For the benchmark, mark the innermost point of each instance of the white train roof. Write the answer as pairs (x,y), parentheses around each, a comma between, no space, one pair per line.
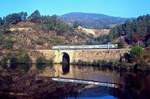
(103,46)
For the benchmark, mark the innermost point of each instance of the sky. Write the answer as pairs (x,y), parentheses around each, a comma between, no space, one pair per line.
(118,8)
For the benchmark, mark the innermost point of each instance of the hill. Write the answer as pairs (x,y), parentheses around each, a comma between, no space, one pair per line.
(17,31)
(91,20)
(133,32)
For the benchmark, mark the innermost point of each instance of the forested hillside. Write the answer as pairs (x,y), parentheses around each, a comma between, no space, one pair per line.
(35,31)
(134,32)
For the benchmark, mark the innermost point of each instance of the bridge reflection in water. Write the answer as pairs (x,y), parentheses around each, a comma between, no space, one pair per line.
(87,82)
(84,73)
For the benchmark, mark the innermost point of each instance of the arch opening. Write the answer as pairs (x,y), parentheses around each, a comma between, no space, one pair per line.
(65,63)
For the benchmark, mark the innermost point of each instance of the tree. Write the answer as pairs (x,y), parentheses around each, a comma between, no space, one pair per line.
(23,16)
(1,21)
(12,18)
(134,30)
(137,52)
(41,62)
(62,27)
(49,22)
(76,24)
(35,17)
(8,42)
(1,37)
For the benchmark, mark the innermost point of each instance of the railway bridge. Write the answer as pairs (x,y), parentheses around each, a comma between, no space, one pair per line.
(89,53)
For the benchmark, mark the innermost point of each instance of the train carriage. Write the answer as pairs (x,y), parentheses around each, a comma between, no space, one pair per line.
(103,46)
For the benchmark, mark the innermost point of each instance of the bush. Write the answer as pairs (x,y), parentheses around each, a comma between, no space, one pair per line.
(137,52)
(9,42)
(41,62)
(23,58)
(14,59)
(4,62)
(1,38)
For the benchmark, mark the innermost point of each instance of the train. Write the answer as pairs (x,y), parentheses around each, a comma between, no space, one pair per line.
(103,46)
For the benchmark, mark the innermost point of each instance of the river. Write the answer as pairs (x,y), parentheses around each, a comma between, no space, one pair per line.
(129,80)
(133,84)
(87,73)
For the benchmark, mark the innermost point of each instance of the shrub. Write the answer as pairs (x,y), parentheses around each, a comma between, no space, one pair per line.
(137,52)
(14,60)
(23,58)
(42,62)
(4,62)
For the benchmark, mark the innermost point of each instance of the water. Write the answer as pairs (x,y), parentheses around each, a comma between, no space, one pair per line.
(83,72)
(135,85)
(95,93)
(87,73)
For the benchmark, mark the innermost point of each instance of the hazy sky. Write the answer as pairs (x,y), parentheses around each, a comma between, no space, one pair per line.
(123,8)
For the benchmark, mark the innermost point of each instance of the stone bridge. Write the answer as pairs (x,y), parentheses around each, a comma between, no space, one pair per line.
(84,54)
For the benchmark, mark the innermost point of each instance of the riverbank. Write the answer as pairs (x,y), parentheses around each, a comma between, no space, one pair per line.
(15,84)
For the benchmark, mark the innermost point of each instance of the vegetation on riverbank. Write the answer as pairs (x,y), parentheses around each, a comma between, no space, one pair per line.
(133,32)
(17,57)
(42,62)
(22,58)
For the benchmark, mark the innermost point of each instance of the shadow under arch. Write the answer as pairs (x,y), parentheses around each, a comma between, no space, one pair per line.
(65,63)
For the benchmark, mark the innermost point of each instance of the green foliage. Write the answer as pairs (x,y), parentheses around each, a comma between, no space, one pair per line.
(1,38)
(53,23)
(42,62)
(4,62)
(1,21)
(76,24)
(62,27)
(35,16)
(100,40)
(23,57)
(134,30)
(137,52)
(20,57)
(15,18)
(9,42)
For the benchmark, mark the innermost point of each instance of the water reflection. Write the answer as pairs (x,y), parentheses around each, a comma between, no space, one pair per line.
(65,63)
(135,84)
(83,72)
(95,93)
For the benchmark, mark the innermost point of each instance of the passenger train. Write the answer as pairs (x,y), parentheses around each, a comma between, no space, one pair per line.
(103,46)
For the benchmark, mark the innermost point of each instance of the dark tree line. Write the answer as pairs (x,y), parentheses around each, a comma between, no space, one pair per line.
(135,31)
(13,18)
(103,39)
(44,23)
(47,22)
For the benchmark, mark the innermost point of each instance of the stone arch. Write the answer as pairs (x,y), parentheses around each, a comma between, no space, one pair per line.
(65,62)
